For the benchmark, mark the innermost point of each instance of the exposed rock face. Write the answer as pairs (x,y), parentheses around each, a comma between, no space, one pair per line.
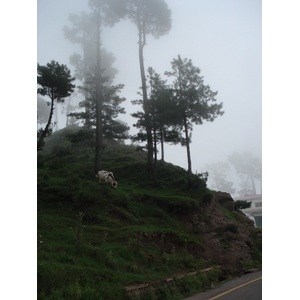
(225,200)
(227,234)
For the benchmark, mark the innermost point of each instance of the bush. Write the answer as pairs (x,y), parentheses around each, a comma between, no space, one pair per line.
(232,228)
(207,198)
(241,204)
(229,227)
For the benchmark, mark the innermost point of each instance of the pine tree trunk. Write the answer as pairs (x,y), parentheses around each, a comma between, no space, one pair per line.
(45,131)
(98,153)
(87,109)
(188,150)
(142,43)
(155,155)
(162,147)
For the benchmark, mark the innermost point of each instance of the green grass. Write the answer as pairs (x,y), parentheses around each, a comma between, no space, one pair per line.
(129,235)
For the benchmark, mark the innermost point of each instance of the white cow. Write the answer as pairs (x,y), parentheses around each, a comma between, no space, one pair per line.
(108,177)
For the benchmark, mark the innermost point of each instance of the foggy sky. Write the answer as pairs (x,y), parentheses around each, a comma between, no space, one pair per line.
(221,37)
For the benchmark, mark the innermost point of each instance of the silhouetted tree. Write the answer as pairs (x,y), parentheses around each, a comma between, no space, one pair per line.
(56,83)
(241,204)
(162,116)
(217,176)
(84,33)
(195,101)
(150,17)
(248,167)
(105,13)
(111,127)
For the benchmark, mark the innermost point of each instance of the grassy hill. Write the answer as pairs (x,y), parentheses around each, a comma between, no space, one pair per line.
(95,242)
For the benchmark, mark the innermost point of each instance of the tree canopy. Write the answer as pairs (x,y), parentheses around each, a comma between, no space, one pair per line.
(196,102)
(55,81)
(150,17)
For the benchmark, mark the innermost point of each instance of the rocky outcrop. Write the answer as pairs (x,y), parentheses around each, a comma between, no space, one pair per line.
(225,200)
(227,234)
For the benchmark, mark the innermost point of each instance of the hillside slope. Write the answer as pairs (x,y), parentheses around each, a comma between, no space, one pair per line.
(93,241)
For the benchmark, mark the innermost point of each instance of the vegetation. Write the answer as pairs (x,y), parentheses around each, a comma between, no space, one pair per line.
(163,116)
(151,18)
(195,101)
(55,81)
(242,204)
(248,167)
(93,240)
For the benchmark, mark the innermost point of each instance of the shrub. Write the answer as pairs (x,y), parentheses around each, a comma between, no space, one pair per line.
(73,291)
(241,204)
(232,228)
(148,294)
(81,136)
(207,198)
(229,227)
(110,261)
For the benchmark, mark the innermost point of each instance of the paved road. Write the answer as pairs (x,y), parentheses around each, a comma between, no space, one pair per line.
(246,287)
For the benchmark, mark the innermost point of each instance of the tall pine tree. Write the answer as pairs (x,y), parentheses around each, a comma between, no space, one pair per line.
(195,101)
(150,17)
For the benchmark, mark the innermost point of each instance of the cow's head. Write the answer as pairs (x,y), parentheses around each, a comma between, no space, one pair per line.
(114,184)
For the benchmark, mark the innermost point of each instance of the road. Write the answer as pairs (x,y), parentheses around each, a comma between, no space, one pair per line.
(246,287)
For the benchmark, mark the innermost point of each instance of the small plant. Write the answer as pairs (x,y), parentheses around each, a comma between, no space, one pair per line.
(214,275)
(73,291)
(148,294)
(110,261)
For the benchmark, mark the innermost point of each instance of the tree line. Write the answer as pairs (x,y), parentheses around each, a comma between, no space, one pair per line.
(169,111)
(247,167)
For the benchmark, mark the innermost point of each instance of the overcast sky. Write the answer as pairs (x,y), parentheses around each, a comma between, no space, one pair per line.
(221,37)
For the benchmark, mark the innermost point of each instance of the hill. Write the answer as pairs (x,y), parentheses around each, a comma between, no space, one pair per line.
(163,241)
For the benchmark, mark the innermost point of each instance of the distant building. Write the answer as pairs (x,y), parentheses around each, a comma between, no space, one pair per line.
(255,211)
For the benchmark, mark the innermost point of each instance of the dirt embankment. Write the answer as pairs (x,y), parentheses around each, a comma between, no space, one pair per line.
(228,236)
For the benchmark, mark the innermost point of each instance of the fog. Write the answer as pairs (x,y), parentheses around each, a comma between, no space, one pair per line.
(222,38)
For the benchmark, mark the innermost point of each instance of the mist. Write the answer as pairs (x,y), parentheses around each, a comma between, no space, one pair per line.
(222,38)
